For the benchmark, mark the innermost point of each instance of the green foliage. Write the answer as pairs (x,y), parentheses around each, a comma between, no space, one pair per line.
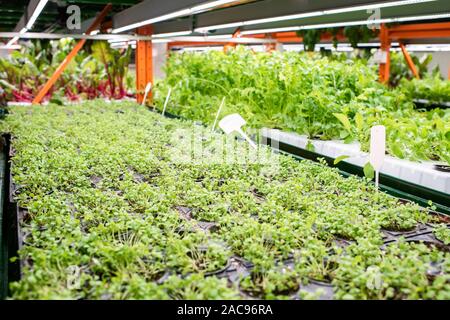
(24,72)
(399,69)
(358,34)
(114,211)
(431,88)
(324,98)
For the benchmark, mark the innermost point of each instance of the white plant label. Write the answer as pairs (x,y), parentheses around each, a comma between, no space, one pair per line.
(380,56)
(218,114)
(377,149)
(167,101)
(148,88)
(234,123)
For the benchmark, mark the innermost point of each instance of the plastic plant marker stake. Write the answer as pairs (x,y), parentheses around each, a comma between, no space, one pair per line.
(148,88)
(234,123)
(167,101)
(377,149)
(218,113)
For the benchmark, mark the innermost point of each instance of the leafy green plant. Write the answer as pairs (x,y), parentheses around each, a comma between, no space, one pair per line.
(24,72)
(113,209)
(323,98)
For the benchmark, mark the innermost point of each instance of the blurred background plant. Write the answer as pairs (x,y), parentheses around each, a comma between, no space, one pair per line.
(97,71)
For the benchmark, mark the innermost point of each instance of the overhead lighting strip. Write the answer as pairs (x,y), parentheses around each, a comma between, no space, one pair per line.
(311,14)
(36,14)
(172,34)
(176,14)
(30,23)
(345,24)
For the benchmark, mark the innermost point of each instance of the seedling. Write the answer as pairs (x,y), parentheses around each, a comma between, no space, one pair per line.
(234,123)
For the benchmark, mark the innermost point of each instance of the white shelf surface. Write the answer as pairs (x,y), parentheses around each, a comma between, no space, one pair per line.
(420,173)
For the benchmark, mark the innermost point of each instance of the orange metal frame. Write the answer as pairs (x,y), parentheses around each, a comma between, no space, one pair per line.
(409,61)
(407,32)
(49,84)
(236,34)
(144,64)
(385,42)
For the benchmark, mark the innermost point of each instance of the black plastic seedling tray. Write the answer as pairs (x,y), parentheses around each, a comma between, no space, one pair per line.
(10,230)
(430,105)
(236,267)
(394,186)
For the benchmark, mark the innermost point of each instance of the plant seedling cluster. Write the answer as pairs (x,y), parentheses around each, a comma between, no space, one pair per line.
(113,211)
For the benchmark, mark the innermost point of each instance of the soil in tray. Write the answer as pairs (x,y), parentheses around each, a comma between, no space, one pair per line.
(252,286)
(439,218)
(420,228)
(325,288)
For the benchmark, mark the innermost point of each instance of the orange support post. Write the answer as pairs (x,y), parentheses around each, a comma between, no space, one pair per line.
(409,61)
(144,63)
(232,45)
(43,92)
(270,46)
(385,47)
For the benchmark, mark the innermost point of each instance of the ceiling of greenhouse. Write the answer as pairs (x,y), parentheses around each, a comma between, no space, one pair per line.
(54,15)
(129,12)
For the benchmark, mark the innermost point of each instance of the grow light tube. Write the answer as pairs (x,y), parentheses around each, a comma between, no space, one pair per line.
(348,23)
(11,47)
(220,36)
(168,16)
(161,41)
(172,34)
(210,5)
(176,14)
(12,42)
(36,13)
(312,14)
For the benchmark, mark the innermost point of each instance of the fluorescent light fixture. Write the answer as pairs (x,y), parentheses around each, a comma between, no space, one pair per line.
(428,47)
(23,30)
(172,34)
(312,14)
(12,47)
(348,23)
(116,40)
(95,32)
(210,5)
(161,41)
(200,49)
(12,42)
(176,14)
(122,43)
(36,13)
(220,26)
(220,36)
(272,30)
(376,6)
(168,16)
(288,17)
(375,44)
